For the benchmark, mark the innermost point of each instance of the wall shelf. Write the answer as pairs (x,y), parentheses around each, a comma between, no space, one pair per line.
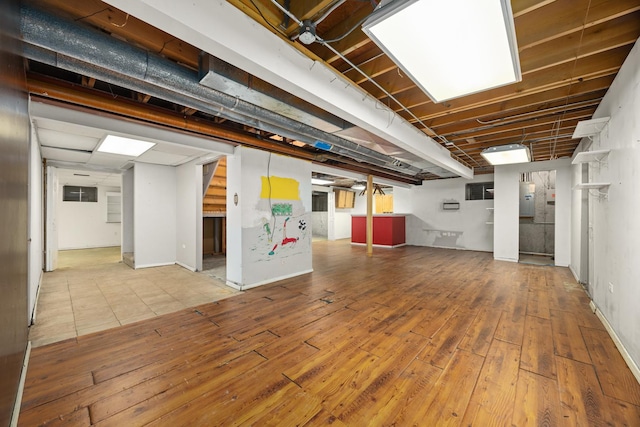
(590,156)
(591,185)
(490,209)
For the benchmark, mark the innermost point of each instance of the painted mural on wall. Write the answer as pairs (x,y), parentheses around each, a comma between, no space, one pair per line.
(283,232)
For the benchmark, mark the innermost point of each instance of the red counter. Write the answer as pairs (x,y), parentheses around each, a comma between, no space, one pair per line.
(388,230)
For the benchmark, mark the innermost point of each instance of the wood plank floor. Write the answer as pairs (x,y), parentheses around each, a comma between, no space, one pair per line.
(412,336)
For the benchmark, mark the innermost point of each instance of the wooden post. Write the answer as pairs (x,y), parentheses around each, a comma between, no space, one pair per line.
(369,215)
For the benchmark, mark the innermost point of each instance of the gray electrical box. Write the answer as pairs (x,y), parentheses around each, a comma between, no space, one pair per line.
(527,199)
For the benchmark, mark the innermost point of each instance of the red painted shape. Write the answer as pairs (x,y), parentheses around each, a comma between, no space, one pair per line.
(288,240)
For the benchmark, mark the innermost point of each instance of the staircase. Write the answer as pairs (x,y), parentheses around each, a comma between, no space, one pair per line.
(215,197)
(214,207)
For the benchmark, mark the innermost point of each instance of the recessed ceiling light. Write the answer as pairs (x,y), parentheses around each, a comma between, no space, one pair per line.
(507,154)
(449,48)
(124,146)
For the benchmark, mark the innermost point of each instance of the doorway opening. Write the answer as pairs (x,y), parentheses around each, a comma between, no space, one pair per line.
(214,221)
(320,215)
(537,218)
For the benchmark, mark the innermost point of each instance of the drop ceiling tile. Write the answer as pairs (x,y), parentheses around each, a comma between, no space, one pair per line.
(65,127)
(65,155)
(179,149)
(160,158)
(109,160)
(54,138)
(88,178)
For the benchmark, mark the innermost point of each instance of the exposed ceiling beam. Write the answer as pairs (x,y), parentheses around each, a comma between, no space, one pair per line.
(221,28)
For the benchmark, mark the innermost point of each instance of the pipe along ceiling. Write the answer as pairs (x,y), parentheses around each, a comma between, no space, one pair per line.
(80,49)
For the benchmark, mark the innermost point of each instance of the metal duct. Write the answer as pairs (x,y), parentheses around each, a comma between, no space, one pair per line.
(80,49)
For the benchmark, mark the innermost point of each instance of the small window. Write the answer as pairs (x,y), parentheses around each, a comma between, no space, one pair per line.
(479,191)
(345,199)
(71,193)
(319,202)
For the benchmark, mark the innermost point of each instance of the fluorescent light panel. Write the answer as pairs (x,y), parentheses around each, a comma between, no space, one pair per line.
(124,146)
(317,181)
(507,154)
(449,48)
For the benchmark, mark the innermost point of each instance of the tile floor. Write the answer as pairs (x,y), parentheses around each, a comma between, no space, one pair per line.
(92,290)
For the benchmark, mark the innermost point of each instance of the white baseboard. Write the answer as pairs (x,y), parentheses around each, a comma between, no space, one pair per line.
(380,246)
(635,370)
(76,248)
(35,304)
(188,267)
(505,259)
(162,264)
(575,275)
(242,287)
(23,377)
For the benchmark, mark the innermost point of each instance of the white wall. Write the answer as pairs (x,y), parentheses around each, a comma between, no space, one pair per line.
(128,205)
(579,225)
(189,216)
(155,215)
(84,224)
(51,230)
(614,220)
(260,249)
(36,241)
(342,217)
(507,209)
(427,224)
(234,216)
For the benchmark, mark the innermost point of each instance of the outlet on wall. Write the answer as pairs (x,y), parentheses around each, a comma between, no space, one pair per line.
(610,287)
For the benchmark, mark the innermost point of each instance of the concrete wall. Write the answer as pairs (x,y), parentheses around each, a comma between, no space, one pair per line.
(320,224)
(507,209)
(537,233)
(615,280)
(84,224)
(320,219)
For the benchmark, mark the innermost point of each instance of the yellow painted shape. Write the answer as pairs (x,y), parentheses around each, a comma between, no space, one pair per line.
(277,187)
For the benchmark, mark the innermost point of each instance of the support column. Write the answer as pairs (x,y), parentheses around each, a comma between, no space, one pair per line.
(369,215)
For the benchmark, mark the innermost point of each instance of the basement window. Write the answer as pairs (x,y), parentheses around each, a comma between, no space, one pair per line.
(345,199)
(72,193)
(319,201)
(479,191)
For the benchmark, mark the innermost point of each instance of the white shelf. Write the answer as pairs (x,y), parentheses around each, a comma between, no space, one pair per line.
(590,127)
(591,185)
(489,223)
(590,156)
(490,209)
